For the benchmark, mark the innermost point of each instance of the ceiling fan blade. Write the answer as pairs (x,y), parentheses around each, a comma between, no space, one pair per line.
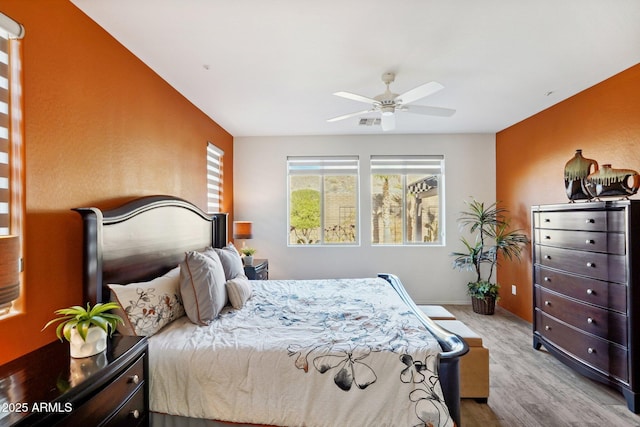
(346,116)
(388,122)
(356,97)
(418,93)
(428,111)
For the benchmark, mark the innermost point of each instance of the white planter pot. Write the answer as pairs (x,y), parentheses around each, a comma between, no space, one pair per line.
(248,260)
(95,343)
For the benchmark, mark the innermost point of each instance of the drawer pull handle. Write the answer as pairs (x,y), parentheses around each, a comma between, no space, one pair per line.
(547,237)
(590,221)
(547,257)
(589,291)
(591,350)
(135,414)
(547,303)
(590,242)
(134,379)
(591,264)
(547,279)
(589,320)
(547,328)
(547,220)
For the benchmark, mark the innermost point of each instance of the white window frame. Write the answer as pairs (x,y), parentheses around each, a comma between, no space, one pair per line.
(214,178)
(324,166)
(405,165)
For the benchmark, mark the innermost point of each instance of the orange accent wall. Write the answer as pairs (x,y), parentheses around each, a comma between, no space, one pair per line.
(100,128)
(604,121)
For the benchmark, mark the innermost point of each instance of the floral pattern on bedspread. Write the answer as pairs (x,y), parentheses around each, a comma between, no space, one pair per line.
(340,333)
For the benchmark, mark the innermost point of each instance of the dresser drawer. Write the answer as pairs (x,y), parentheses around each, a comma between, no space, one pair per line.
(603,294)
(596,352)
(587,220)
(590,264)
(613,243)
(594,320)
(102,406)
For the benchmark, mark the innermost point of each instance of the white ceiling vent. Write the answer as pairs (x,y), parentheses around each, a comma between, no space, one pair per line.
(369,121)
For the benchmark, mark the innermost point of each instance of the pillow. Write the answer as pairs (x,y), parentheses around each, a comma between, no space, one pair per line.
(239,290)
(202,286)
(231,261)
(148,306)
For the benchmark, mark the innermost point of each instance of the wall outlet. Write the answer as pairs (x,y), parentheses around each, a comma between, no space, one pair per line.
(513,289)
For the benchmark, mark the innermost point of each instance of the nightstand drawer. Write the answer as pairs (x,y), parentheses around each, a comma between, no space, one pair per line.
(132,413)
(104,403)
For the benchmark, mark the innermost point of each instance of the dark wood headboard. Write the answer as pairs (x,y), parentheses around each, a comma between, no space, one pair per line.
(143,239)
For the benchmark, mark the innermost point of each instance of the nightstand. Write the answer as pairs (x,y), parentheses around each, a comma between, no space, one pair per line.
(258,271)
(47,387)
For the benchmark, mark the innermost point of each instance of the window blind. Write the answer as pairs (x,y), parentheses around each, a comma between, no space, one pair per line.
(407,165)
(343,165)
(214,178)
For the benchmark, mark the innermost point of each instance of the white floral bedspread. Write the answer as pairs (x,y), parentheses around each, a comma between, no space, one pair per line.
(315,353)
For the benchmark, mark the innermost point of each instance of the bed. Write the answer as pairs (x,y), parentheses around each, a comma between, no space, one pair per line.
(243,367)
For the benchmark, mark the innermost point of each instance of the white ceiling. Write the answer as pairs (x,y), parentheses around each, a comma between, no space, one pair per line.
(269,67)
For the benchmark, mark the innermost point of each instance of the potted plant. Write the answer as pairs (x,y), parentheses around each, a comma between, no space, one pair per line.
(86,329)
(493,238)
(248,255)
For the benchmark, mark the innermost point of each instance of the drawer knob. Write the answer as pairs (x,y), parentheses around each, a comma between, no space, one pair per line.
(547,303)
(591,264)
(590,242)
(547,220)
(589,320)
(134,379)
(547,328)
(589,291)
(547,237)
(547,279)
(590,221)
(591,350)
(135,414)
(547,257)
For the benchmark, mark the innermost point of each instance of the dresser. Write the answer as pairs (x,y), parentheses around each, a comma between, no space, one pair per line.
(49,388)
(586,275)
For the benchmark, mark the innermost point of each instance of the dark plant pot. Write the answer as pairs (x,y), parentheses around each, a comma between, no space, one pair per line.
(485,305)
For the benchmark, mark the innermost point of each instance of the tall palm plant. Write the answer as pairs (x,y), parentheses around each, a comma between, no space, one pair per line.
(493,238)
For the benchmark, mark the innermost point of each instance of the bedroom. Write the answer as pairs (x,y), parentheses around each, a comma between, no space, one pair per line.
(124,115)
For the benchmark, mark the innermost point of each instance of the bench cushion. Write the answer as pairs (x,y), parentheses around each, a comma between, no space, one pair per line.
(437,312)
(457,327)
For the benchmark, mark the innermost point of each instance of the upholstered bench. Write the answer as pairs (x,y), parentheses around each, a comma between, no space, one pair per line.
(437,312)
(474,366)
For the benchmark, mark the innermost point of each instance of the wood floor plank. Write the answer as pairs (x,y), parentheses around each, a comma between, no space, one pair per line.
(531,388)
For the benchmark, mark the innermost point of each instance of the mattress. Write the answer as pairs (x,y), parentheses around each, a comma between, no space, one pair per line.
(322,353)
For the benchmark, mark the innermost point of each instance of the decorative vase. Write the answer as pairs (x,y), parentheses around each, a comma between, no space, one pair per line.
(486,305)
(95,343)
(248,260)
(610,182)
(576,172)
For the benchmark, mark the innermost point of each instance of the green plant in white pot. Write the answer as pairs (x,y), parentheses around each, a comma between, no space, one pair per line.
(86,329)
(248,255)
(492,238)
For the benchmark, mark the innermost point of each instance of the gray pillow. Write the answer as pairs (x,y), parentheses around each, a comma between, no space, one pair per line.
(202,286)
(239,290)
(231,261)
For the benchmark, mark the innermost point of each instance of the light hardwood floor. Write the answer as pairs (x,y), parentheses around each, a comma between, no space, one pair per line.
(532,388)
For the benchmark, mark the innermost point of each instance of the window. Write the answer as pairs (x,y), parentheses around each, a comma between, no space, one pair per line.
(323,200)
(407,200)
(214,178)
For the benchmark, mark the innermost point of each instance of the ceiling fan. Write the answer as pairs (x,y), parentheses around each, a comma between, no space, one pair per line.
(388,103)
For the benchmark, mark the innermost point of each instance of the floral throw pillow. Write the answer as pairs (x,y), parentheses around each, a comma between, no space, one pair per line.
(148,306)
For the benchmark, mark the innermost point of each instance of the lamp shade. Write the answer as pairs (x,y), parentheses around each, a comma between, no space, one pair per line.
(242,230)
(9,271)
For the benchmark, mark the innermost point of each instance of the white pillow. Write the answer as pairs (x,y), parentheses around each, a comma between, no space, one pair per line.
(202,286)
(239,290)
(148,306)
(231,261)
